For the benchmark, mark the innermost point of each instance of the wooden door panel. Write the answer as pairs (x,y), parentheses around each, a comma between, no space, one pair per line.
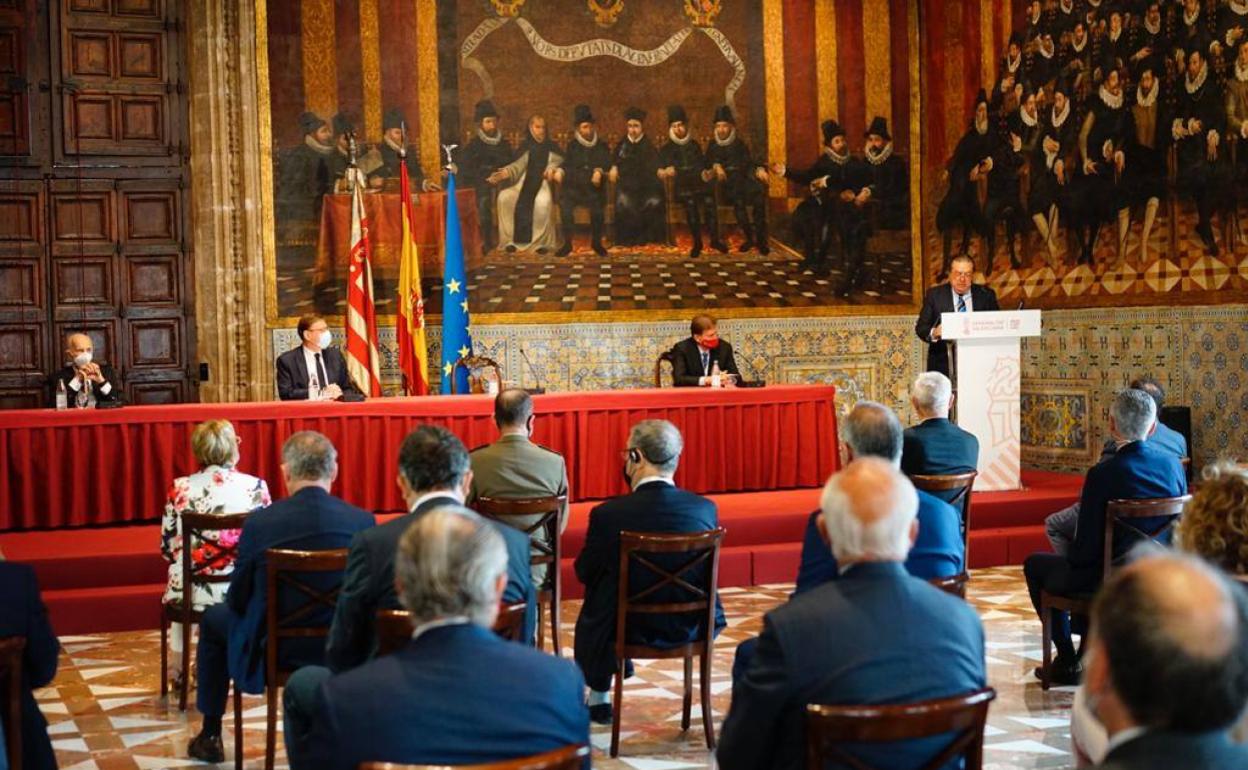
(159,392)
(21,209)
(152,281)
(155,344)
(21,283)
(83,218)
(21,349)
(78,282)
(140,57)
(22,398)
(17,73)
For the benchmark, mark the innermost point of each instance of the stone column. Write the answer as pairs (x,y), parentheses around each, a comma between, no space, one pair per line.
(226,193)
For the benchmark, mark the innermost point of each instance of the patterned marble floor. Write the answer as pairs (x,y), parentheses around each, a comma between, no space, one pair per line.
(105,710)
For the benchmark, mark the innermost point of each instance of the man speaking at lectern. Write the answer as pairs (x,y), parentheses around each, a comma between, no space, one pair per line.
(958,295)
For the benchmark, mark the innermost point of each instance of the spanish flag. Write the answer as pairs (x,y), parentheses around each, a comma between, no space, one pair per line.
(413,354)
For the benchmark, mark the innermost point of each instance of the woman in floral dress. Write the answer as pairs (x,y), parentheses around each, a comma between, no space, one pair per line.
(216,488)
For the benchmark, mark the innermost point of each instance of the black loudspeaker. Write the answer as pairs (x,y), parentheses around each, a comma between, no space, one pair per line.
(1179,419)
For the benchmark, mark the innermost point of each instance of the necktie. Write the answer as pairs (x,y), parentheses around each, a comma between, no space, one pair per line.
(706,361)
(320,371)
(961,303)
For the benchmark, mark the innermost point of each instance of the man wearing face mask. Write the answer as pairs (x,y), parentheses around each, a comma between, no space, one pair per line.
(87,383)
(654,505)
(703,360)
(314,371)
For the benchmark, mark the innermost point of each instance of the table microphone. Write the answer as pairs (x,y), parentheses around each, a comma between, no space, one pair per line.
(534,391)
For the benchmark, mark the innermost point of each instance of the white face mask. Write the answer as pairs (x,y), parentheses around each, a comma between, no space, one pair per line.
(82,359)
(325,340)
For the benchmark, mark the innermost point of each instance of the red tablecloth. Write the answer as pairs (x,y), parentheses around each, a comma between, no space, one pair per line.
(74,468)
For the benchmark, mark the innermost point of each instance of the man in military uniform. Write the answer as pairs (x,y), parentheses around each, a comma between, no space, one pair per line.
(582,178)
(515,468)
(486,152)
(682,161)
(393,127)
(889,177)
(740,179)
(639,204)
(1198,128)
(303,174)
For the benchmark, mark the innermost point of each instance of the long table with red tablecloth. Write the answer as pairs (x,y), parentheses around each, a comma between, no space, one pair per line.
(76,468)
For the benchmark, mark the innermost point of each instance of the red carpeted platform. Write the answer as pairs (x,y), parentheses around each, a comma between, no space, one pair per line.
(110,579)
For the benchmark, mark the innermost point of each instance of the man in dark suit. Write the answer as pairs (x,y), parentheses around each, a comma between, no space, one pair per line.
(872,430)
(315,371)
(457,694)
(1136,470)
(232,634)
(655,505)
(434,471)
(874,636)
(22,614)
(1169,673)
(959,295)
(1060,526)
(703,360)
(87,382)
(936,446)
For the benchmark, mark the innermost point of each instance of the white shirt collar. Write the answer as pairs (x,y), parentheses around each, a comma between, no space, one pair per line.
(682,142)
(454,620)
(651,479)
(1125,736)
(440,493)
(586,142)
(491,140)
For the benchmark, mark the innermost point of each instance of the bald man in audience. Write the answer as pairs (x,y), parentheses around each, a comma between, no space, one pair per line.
(1167,672)
(876,635)
(88,382)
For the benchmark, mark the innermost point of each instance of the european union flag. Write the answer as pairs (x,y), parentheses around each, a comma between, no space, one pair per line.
(456,337)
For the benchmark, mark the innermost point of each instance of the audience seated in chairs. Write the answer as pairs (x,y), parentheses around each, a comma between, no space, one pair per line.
(1060,526)
(655,505)
(232,634)
(22,614)
(215,488)
(456,694)
(876,635)
(936,446)
(872,430)
(1168,666)
(1214,526)
(516,468)
(1136,470)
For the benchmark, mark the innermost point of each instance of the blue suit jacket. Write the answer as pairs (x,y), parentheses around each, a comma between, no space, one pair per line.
(22,614)
(1164,438)
(368,585)
(938,447)
(654,507)
(1137,470)
(877,635)
(937,551)
(455,695)
(311,520)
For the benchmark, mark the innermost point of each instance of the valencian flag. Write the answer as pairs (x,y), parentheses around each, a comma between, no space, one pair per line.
(413,354)
(456,336)
(363,360)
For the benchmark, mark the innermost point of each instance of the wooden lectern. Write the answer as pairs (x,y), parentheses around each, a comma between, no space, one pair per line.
(984,348)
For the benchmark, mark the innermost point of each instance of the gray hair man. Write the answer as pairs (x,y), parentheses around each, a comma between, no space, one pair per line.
(936,446)
(233,634)
(495,700)
(835,643)
(873,430)
(84,380)
(654,504)
(1168,666)
(516,467)
(1136,470)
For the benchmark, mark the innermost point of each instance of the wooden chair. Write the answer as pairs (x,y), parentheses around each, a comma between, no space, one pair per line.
(665,356)
(12,648)
(947,483)
(476,384)
(533,516)
(1116,512)
(954,584)
(394,627)
(183,611)
(289,569)
(828,728)
(567,758)
(637,550)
